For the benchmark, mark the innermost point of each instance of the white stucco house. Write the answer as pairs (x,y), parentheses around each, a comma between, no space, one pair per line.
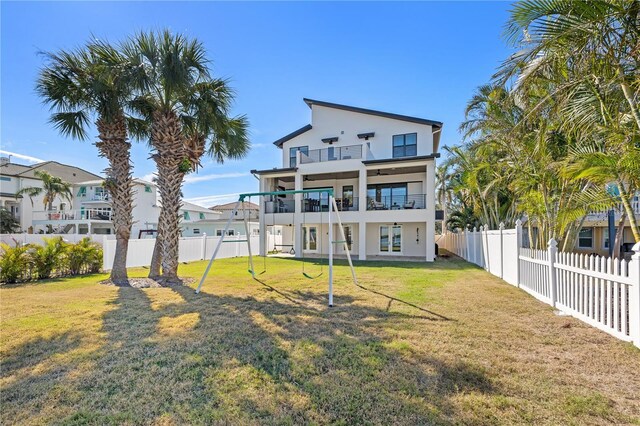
(382,168)
(14,177)
(90,212)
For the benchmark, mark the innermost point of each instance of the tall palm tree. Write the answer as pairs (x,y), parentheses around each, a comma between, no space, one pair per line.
(188,112)
(93,83)
(52,188)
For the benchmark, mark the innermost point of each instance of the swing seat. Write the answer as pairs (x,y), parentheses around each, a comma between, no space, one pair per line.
(312,277)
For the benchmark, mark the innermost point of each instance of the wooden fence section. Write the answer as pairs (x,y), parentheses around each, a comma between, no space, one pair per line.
(603,292)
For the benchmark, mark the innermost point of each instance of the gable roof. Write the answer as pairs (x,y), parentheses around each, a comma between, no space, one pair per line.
(292,135)
(230,206)
(437,124)
(13,169)
(194,207)
(71,174)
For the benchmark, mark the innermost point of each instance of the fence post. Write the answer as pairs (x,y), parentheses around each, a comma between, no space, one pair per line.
(551,251)
(204,246)
(473,245)
(466,244)
(487,265)
(501,228)
(518,245)
(634,296)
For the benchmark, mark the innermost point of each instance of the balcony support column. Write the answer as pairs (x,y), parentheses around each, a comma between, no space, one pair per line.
(362,190)
(264,187)
(297,216)
(430,206)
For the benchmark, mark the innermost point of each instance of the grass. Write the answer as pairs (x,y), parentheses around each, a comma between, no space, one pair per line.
(444,343)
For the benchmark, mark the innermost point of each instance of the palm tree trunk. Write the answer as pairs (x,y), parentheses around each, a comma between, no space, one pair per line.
(166,137)
(113,145)
(156,258)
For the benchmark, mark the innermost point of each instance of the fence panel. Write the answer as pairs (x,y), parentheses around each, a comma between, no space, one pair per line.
(602,292)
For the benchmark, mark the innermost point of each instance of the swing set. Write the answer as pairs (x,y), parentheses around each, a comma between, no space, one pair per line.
(332,208)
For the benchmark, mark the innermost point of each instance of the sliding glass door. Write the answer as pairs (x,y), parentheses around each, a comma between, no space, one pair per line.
(310,238)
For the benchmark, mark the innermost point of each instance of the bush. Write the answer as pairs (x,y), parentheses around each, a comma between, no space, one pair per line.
(15,263)
(84,257)
(48,257)
(53,258)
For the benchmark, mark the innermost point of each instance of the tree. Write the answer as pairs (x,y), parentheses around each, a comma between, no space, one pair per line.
(187,111)
(8,223)
(52,187)
(94,82)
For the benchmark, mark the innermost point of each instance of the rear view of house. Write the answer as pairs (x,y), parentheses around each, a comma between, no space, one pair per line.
(381,167)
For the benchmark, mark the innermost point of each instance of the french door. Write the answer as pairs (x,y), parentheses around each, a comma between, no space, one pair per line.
(310,238)
(390,239)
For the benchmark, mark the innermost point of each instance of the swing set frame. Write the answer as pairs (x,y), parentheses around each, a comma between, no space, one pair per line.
(333,209)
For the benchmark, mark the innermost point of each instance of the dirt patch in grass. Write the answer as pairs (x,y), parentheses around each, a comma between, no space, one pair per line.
(444,343)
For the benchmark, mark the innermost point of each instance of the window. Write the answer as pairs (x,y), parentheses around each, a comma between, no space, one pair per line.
(186,216)
(347,196)
(229,232)
(147,188)
(405,145)
(605,237)
(196,231)
(82,192)
(348,236)
(5,178)
(310,238)
(201,216)
(390,239)
(219,232)
(391,195)
(292,154)
(585,239)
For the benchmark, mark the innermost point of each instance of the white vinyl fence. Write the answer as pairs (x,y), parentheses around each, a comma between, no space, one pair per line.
(603,292)
(190,249)
(25,238)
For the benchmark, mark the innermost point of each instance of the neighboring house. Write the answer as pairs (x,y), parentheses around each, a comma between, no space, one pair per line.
(91,212)
(215,226)
(14,177)
(197,220)
(594,235)
(382,169)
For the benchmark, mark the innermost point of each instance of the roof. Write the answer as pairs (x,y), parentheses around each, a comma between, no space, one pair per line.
(417,120)
(274,170)
(194,207)
(71,174)
(395,160)
(292,135)
(13,169)
(230,206)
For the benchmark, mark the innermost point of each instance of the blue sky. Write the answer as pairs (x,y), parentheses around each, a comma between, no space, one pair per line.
(421,59)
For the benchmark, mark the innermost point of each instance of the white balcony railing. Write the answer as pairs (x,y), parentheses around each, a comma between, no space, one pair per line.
(602,215)
(336,153)
(69,215)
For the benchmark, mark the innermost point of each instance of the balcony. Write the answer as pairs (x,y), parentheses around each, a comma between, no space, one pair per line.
(336,153)
(71,215)
(101,197)
(397,202)
(280,206)
(619,209)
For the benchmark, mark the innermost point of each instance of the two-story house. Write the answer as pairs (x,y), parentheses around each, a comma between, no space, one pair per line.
(91,212)
(381,167)
(15,177)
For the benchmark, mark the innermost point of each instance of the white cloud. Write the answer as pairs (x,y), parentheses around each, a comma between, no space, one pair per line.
(212,200)
(214,176)
(26,158)
(148,177)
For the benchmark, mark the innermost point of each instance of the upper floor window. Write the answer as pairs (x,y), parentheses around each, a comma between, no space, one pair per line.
(186,216)
(147,188)
(5,178)
(82,192)
(292,154)
(405,145)
(202,216)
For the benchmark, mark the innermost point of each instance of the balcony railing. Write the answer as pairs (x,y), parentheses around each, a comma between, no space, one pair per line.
(280,206)
(83,214)
(344,205)
(333,153)
(397,202)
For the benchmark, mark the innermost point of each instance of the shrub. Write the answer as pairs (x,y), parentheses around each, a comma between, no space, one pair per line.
(48,257)
(84,257)
(15,263)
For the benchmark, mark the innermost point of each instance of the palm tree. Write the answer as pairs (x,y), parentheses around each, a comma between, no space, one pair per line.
(188,113)
(93,82)
(52,188)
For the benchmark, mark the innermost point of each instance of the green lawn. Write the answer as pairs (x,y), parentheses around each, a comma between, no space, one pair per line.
(445,343)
